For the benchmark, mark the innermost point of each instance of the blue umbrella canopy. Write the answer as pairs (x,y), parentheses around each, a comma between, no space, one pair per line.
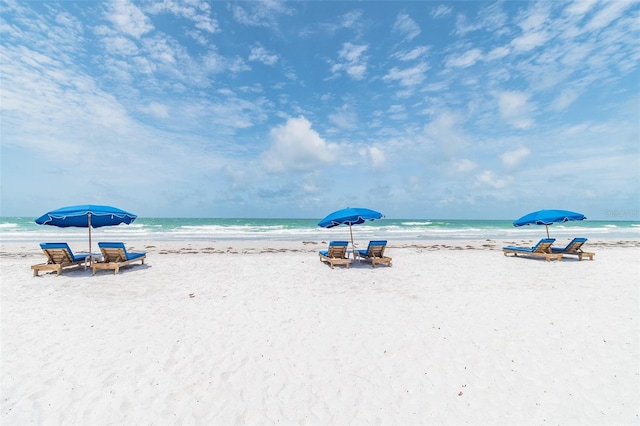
(548,217)
(86,216)
(350,216)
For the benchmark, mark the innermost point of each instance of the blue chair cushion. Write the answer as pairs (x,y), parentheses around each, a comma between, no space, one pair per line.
(128,255)
(335,244)
(564,249)
(530,249)
(65,246)
(372,243)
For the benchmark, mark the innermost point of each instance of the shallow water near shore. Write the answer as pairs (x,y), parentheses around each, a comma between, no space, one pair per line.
(19,229)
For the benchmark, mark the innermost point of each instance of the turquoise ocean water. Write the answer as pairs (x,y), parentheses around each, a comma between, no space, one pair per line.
(24,229)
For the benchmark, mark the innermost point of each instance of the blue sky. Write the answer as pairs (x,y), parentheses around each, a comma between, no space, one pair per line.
(463,109)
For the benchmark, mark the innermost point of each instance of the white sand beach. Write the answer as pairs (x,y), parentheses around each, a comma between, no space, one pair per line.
(261,332)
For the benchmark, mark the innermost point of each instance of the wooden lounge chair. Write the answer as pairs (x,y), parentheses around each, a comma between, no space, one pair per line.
(336,254)
(59,257)
(574,248)
(542,249)
(115,255)
(375,253)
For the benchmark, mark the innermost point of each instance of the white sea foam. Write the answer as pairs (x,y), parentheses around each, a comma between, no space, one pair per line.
(291,230)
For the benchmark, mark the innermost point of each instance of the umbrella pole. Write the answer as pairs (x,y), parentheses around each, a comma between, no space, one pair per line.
(547,226)
(90,254)
(353,246)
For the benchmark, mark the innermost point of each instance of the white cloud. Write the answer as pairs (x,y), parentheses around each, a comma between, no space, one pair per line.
(577,55)
(162,49)
(463,26)
(311,187)
(564,100)
(407,77)
(350,21)
(411,55)
(436,86)
(580,7)
(156,109)
(529,41)
(512,103)
(465,59)
(376,157)
(612,11)
(406,26)
(120,45)
(515,108)
(260,54)
(488,179)
(490,17)
(296,146)
(353,61)
(534,18)
(441,11)
(198,12)
(215,63)
(494,19)
(344,118)
(352,52)
(396,112)
(129,19)
(444,129)
(497,53)
(511,159)
(462,167)
(260,13)
(576,129)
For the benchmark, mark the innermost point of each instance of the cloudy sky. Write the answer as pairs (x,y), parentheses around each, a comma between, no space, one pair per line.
(461,109)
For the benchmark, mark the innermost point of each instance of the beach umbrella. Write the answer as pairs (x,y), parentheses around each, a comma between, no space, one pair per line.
(350,216)
(548,217)
(86,216)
